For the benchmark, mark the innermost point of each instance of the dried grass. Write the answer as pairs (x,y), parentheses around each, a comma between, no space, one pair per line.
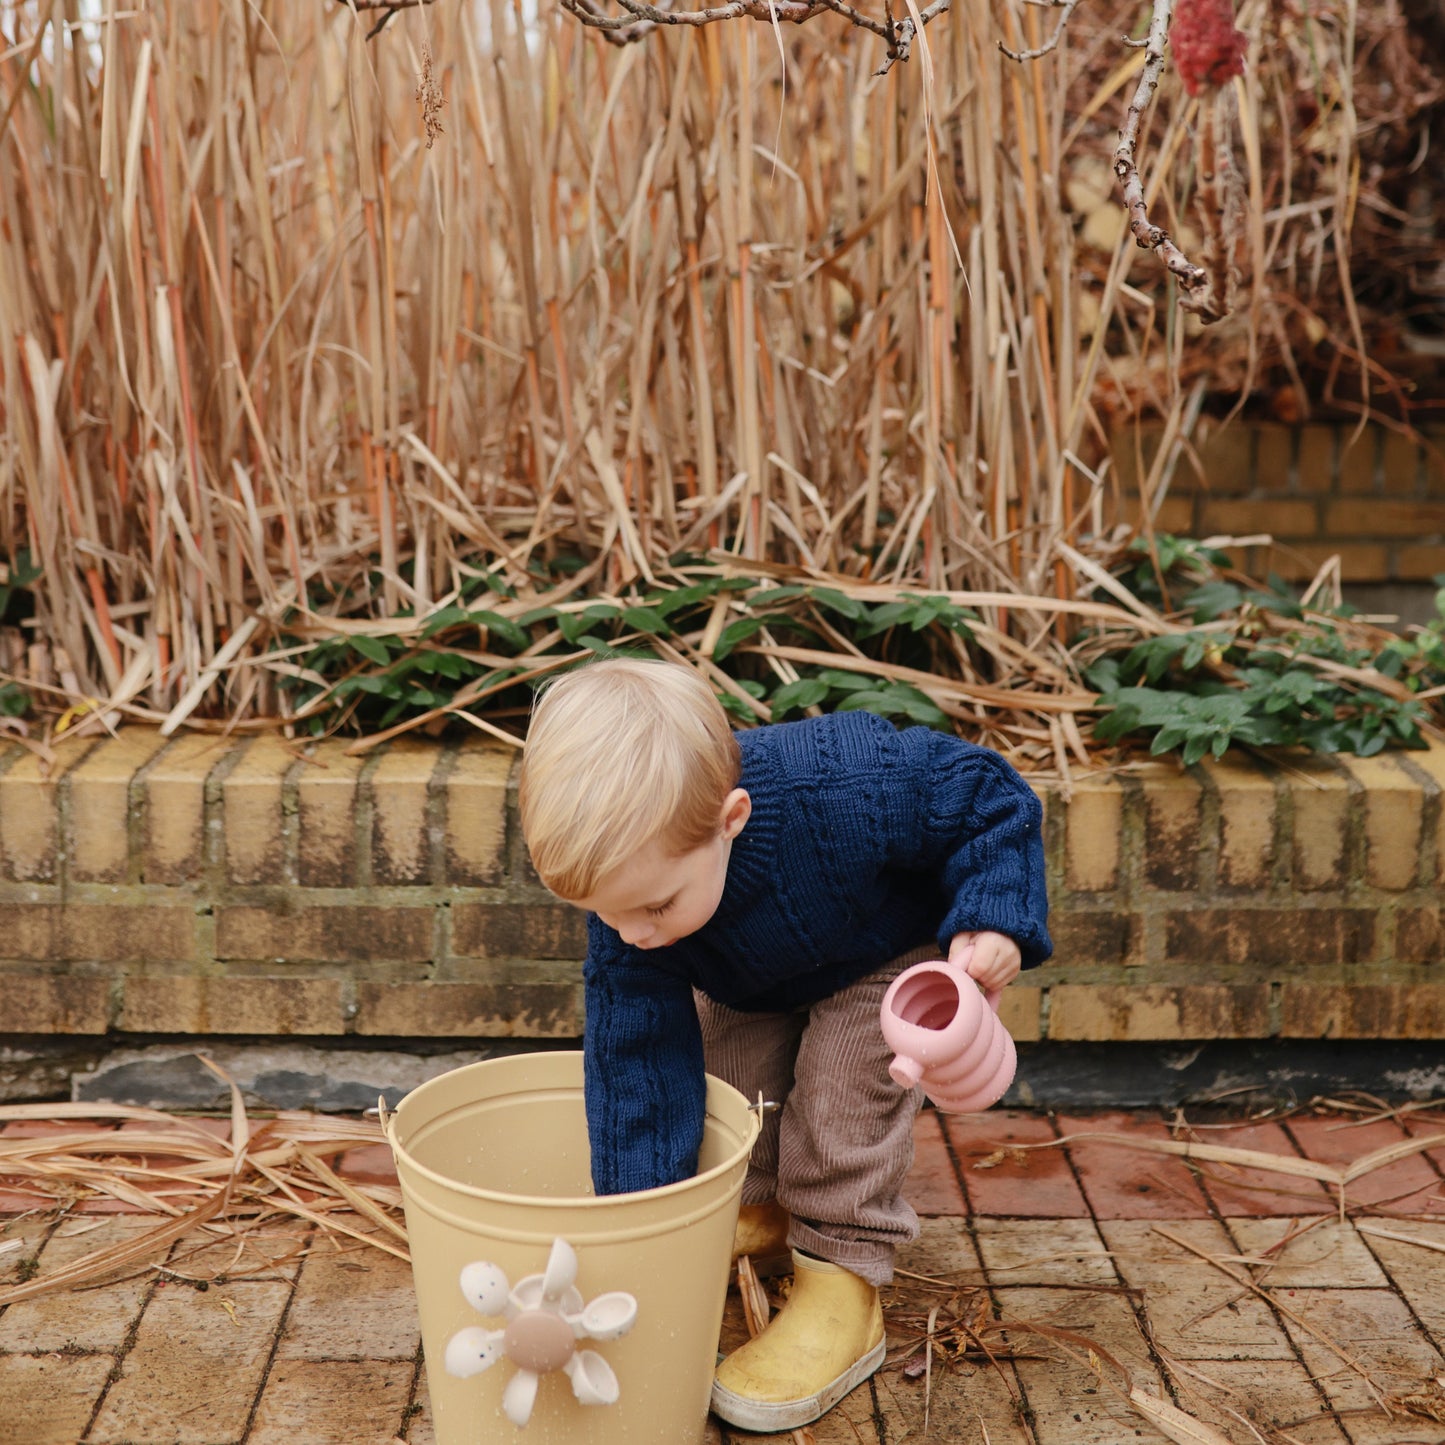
(268,1169)
(282,354)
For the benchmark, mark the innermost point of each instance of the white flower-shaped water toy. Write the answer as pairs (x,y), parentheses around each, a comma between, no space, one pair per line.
(545,1318)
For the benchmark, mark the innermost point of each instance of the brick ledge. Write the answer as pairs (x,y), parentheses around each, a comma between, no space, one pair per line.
(260,887)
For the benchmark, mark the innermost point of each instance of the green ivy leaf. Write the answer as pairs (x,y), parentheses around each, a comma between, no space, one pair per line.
(373,649)
(838,602)
(798,696)
(868,700)
(736,632)
(646,619)
(840,681)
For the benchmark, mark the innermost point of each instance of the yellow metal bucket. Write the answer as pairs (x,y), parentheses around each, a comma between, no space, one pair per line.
(549,1315)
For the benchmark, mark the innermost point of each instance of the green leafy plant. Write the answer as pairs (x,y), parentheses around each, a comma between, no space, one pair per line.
(488,646)
(1259,668)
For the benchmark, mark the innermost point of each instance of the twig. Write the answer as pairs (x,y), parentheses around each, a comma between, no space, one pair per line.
(1194,280)
(1052,43)
(388,9)
(641,19)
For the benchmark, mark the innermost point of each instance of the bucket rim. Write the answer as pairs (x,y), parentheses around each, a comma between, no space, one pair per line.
(572,1201)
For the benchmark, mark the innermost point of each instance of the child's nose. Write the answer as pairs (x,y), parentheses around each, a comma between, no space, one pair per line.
(634,931)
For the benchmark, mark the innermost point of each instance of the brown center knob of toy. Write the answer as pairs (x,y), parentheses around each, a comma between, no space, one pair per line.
(538,1341)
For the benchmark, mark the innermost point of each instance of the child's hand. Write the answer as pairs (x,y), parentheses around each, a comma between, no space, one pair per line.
(991,960)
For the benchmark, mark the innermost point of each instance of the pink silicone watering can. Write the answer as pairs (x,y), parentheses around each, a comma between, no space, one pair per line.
(945,1033)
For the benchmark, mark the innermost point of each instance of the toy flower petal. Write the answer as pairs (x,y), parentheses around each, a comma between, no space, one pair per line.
(484,1287)
(560,1274)
(593,1381)
(472,1350)
(519,1397)
(609,1316)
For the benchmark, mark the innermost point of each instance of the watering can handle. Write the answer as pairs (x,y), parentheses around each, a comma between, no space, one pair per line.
(991,996)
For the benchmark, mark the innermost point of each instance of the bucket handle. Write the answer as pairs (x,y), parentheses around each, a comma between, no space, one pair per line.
(763,1107)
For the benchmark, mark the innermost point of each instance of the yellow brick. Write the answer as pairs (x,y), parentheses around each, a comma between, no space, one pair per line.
(470,1010)
(1172,807)
(1315,461)
(100,803)
(52,1393)
(1433,762)
(1133,450)
(1399,464)
(1225,458)
(476,812)
(186,1003)
(1108,1013)
(1394,807)
(399,790)
(1299,561)
(326,851)
(1246,822)
(1371,1008)
(1174,514)
(1376,517)
(1018,1011)
(251,798)
(1273,454)
(1434,461)
(1291,518)
(1357,460)
(58,1003)
(28,820)
(196,1364)
(1091,833)
(1419,562)
(175,794)
(1320,794)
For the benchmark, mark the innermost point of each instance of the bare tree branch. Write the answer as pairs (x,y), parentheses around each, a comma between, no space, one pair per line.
(641,19)
(388,8)
(1052,43)
(1193,280)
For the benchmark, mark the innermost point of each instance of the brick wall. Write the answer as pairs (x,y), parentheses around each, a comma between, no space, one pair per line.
(1374,496)
(210,887)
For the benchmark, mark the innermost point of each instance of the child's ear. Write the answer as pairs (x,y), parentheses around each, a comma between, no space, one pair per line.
(737,808)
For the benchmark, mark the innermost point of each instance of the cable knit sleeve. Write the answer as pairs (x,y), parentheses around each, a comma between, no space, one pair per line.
(643,1068)
(981,827)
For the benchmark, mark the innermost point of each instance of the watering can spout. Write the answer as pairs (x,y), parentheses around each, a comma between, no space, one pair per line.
(906,1073)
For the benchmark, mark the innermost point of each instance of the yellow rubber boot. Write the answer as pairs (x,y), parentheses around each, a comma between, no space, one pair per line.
(762,1233)
(826,1340)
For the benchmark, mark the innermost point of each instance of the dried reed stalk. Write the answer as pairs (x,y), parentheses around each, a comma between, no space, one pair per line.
(280,354)
(271,1167)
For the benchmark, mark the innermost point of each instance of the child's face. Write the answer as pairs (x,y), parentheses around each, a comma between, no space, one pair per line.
(656,896)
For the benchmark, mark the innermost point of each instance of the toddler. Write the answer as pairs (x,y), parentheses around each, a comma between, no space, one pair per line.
(750,897)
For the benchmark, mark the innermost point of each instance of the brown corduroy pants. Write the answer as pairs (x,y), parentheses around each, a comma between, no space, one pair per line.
(836,1154)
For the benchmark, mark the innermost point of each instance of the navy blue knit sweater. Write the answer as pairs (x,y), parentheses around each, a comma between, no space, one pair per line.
(863,843)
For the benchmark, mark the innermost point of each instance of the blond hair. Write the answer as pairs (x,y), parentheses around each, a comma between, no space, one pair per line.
(620,753)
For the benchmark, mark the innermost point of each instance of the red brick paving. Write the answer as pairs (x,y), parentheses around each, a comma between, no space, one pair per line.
(1406,1185)
(1427,1126)
(1236,1189)
(1001,1179)
(932,1187)
(367,1164)
(1125,1183)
